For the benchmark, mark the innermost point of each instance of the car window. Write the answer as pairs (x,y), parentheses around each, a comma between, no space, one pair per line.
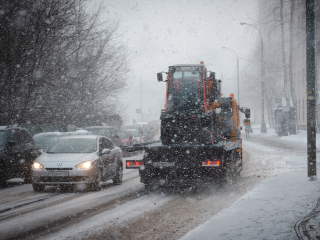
(134,133)
(44,142)
(114,132)
(108,133)
(25,136)
(123,134)
(12,136)
(102,144)
(74,145)
(108,143)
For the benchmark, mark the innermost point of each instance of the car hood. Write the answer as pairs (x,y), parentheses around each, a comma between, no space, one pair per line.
(67,159)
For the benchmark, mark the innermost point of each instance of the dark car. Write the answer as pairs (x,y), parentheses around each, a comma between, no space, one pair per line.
(106,131)
(17,153)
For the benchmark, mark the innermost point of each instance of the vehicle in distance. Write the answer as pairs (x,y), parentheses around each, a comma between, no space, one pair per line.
(127,139)
(17,152)
(106,131)
(136,135)
(78,159)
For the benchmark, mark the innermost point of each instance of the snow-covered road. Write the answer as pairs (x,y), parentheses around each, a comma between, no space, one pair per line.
(129,212)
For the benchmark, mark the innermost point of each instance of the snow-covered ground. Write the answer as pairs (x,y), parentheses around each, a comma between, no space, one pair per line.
(272,200)
(281,207)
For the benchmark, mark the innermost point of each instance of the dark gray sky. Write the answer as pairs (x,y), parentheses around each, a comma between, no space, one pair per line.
(162,33)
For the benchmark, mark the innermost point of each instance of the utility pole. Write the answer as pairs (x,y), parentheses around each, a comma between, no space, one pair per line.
(263,88)
(311,86)
(237,72)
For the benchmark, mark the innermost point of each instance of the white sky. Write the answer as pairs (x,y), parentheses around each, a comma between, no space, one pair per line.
(166,32)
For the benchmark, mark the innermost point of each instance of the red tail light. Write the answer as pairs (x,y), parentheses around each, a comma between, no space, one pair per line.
(134,164)
(208,163)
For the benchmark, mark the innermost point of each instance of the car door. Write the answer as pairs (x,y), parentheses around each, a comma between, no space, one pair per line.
(13,152)
(106,159)
(113,155)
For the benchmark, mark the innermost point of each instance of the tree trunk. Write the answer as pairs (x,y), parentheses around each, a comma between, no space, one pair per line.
(284,62)
(293,94)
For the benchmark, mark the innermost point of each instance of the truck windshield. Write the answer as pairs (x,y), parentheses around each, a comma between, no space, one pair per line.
(185,91)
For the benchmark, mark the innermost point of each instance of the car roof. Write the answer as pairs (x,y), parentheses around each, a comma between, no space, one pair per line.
(97,127)
(188,65)
(131,130)
(78,132)
(81,136)
(51,134)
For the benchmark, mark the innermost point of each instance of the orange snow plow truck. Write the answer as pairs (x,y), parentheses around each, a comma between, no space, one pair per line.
(200,132)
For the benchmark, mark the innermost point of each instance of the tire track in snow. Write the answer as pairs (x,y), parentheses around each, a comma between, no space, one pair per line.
(303,229)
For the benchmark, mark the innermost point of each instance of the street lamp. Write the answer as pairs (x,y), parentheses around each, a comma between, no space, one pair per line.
(237,72)
(263,124)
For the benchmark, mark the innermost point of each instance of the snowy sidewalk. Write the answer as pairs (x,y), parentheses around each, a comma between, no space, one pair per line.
(269,211)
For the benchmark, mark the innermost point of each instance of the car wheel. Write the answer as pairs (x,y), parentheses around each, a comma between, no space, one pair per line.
(97,185)
(38,187)
(118,178)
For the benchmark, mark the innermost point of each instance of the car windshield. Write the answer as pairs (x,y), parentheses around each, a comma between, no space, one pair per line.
(134,133)
(2,139)
(44,142)
(75,145)
(100,131)
(185,90)
(123,134)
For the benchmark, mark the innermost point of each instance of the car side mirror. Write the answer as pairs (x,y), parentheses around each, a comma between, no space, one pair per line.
(105,151)
(159,76)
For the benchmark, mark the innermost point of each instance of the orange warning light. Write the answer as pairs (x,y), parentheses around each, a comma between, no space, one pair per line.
(201,62)
(232,95)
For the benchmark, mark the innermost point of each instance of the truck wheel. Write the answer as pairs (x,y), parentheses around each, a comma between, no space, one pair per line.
(38,187)
(117,180)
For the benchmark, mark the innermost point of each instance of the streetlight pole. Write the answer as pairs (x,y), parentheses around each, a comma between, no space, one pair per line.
(263,124)
(237,72)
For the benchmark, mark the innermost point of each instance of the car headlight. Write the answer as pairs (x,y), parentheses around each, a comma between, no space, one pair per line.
(37,165)
(85,165)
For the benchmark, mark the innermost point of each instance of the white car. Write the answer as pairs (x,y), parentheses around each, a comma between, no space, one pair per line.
(78,159)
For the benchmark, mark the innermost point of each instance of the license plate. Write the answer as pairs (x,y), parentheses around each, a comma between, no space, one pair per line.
(163,164)
(59,174)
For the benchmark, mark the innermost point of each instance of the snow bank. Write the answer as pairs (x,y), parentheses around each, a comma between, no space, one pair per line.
(269,211)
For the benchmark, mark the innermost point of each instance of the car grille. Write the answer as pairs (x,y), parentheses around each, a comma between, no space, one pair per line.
(63,179)
(58,168)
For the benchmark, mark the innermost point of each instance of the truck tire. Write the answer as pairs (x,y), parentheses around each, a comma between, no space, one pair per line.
(38,187)
(117,180)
